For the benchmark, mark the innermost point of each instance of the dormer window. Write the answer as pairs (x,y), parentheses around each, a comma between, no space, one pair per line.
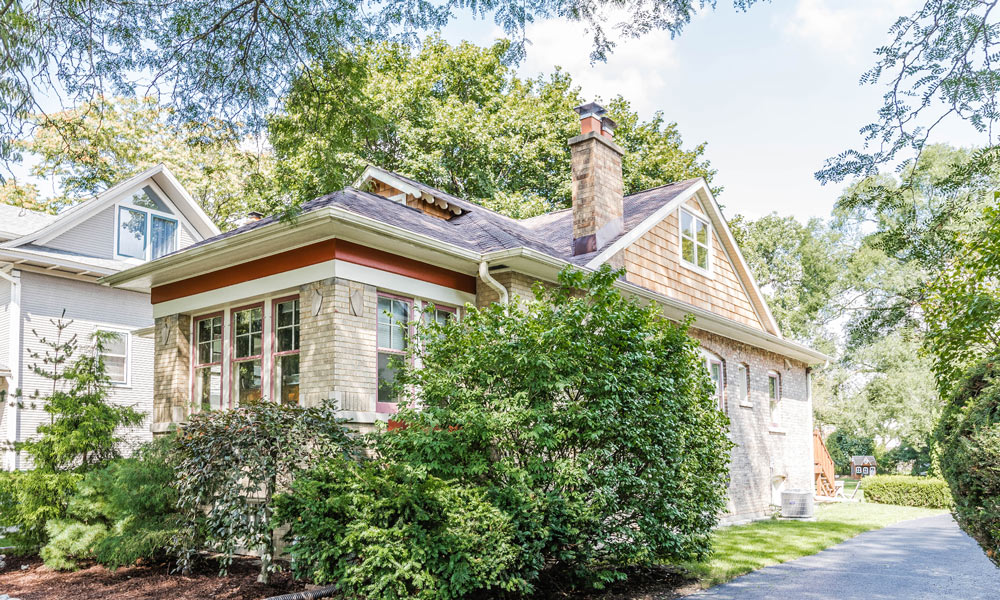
(144,232)
(695,241)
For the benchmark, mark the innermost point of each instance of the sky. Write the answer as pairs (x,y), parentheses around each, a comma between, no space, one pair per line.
(773,91)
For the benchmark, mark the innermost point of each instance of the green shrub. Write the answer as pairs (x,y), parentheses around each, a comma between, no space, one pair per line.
(588,419)
(230,464)
(392,532)
(118,514)
(907,490)
(28,500)
(968,440)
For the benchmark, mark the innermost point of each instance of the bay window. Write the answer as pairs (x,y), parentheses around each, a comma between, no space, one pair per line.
(248,349)
(286,350)
(392,340)
(208,362)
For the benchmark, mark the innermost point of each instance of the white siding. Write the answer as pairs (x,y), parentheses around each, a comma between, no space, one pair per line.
(187,237)
(89,306)
(93,237)
(4,323)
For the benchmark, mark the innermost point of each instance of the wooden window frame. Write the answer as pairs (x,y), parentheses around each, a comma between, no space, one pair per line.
(709,258)
(275,354)
(233,359)
(390,407)
(195,364)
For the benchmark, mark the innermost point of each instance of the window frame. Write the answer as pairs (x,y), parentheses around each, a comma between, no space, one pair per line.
(125,203)
(128,355)
(275,354)
(390,407)
(743,385)
(195,364)
(707,270)
(774,404)
(711,358)
(233,360)
(857,470)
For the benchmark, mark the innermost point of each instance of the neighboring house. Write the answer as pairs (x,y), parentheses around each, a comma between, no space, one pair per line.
(862,466)
(51,263)
(314,309)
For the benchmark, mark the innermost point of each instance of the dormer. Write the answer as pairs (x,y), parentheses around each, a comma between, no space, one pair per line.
(141,219)
(408,192)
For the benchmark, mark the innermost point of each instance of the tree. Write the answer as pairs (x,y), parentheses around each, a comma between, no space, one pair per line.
(231,463)
(24,195)
(843,445)
(85,427)
(587,418)
(799,268)
(939,63)
(457,118)
(107,140)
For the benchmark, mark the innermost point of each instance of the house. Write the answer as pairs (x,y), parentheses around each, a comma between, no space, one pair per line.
(51,263)
(312,310)
(862,466)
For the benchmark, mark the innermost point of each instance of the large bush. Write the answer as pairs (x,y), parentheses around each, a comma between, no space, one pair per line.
(231,463)
(968,438)
(28,500)
(906,490)
(588,419)
(395,532)
(118,514)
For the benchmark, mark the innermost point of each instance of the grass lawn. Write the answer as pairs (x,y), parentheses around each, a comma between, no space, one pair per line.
(744,548)
(849,485)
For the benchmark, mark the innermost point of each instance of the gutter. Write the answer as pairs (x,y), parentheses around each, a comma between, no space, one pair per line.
(484,272)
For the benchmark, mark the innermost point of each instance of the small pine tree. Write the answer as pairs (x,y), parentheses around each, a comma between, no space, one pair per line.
(83,424)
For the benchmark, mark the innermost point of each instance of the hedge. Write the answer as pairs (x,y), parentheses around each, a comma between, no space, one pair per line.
(906,490)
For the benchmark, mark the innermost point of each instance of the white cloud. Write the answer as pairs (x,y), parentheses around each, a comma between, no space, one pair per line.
(839,25)
(639,68)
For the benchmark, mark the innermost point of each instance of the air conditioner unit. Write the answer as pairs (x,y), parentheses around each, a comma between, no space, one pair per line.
(797,504)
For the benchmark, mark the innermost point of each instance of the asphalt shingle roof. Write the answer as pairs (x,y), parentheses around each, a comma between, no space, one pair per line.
(479,229)
(16,221)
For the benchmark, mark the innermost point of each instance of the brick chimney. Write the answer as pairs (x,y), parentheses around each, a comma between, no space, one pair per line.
(598,191)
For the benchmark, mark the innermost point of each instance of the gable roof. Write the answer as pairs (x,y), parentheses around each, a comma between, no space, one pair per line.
(74,215)
(863,460)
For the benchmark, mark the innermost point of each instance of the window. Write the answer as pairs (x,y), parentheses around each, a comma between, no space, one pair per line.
(115,357)
(743,383)
(857,470)
(393,337)
(163,235)
(694,240)
(248,344)
(208,363)
(131,232)
(716,373)
(774,397)
(864,470)
(142,233)
(286,350)
(440,314)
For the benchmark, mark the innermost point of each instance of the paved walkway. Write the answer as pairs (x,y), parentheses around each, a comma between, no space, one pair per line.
(929,558)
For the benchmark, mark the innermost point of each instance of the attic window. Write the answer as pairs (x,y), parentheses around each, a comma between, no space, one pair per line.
(144,234)
(695,241)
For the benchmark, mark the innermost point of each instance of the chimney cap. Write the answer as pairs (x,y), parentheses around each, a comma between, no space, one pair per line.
(608,124)
(590,109)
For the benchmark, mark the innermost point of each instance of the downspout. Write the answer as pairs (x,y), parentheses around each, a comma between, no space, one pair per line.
(14,359)
(484,273)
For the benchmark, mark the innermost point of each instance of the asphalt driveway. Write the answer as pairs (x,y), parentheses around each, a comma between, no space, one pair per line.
(923,558)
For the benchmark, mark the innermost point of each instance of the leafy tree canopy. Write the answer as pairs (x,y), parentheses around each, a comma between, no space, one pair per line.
(107,140)
(457,118)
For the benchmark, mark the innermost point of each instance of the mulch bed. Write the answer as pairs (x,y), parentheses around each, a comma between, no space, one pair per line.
(155,582)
